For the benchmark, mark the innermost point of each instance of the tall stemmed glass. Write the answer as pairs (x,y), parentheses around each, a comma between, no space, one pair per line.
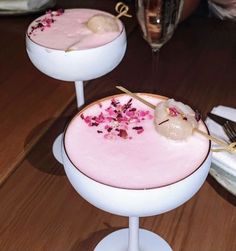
(158,20)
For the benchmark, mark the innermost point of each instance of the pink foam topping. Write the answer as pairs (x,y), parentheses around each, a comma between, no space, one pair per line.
(62,28)
(114,141)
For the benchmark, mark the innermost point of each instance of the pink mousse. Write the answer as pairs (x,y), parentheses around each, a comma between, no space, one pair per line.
(114,141)
(62,29)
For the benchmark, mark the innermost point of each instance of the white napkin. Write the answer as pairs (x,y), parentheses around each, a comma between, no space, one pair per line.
(24,5)
(224,160)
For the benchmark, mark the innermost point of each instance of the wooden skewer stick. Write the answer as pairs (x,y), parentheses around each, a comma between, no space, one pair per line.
(136,97)
(122,10)
(225,146)
(70,48)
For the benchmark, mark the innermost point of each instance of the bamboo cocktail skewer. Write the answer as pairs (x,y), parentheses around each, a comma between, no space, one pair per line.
(225,146)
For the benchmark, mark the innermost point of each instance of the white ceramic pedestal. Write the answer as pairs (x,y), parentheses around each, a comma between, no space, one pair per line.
(118,241)
(57,147)
(133,239)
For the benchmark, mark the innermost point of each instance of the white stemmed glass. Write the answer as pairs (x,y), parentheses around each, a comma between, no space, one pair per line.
(77,66)
(134,203)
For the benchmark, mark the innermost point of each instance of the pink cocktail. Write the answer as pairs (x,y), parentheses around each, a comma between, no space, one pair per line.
(116,160)
(67,29)
(61,45)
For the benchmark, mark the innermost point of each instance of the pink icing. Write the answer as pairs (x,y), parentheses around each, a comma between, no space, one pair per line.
(141,160)
(60,30)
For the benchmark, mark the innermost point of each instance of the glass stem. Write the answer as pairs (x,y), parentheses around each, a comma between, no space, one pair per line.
(133,234)
(155,60)
(155,66)
(79,91)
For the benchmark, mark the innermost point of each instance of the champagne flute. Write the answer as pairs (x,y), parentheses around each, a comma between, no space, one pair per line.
(158,20)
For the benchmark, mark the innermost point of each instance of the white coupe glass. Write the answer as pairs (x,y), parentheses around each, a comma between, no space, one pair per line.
(77,66)
(135,203)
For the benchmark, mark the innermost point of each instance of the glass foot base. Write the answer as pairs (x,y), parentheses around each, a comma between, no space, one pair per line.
(57,147)
(118,241)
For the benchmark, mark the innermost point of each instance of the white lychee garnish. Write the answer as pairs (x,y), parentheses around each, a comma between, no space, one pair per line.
(102,24)
(174,120)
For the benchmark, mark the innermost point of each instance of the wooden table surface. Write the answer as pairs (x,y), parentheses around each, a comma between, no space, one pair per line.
(39,209)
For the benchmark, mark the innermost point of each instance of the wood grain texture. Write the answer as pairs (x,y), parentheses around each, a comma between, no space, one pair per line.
(27,96)
(39,210)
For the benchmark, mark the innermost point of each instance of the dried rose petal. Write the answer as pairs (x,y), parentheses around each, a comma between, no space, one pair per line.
(123,134)
(82,116)
(173,111)
(137,127)
(117,119)
(46,21)
(140,131)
